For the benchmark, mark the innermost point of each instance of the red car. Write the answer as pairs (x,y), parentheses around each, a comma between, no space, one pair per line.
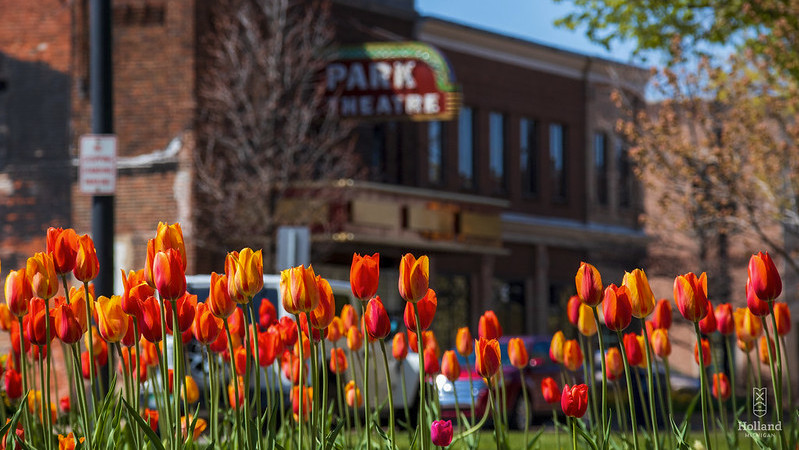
(540,367)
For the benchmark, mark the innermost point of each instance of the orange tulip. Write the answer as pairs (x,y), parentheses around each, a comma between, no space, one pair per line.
(487,361)
(270,345)
(18,292)
(764,277)
(290,363)
(267,314)
(427,310)
(135,290)
(642,299)
(414,277)
(725,323)
(758,306)
(322,316)
(573,309)
(353,395)
(35,328)
(349,316)
(464,342)
(572,355)
(169,274)
(746,346)
(517,352)
(690,294)
(113,322)
(550,390)
(586,324)
(167,237)
(705,353)
(662,316)
(62,245)
(231,390)
(633,349)
(556,347)
(450,367)
(782,315)
(245,273)
(399,346)
(151,320)
(589,284)
(375,317)
(41,274)
(86,264)
(354,339)
(661,344)
(335,330)
(338,360)
(193,390)
(764,351)
(364,275)
(68,442)
(199,426)
(617,308)
(299,290)
(206,326)
(721,385)
(67,326)
(708,324)
(307,397)
(614,366)
(219,301)
(488,327)
(306,346)
(5,317)
(748,327)
(240,359)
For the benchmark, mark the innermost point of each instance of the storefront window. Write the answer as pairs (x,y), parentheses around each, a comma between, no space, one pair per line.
(466,148)
(496,151)
(528,156)
(557,160)
(601,168)
(435,150)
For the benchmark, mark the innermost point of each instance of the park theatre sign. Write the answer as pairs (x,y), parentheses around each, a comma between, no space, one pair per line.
(391,80)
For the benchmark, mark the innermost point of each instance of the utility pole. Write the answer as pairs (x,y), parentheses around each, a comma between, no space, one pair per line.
(102,102)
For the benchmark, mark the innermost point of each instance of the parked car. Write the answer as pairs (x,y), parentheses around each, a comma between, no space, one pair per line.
(539,367)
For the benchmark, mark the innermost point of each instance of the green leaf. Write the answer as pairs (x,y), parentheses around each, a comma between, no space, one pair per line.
(144,426)
(331,437)
(535,439)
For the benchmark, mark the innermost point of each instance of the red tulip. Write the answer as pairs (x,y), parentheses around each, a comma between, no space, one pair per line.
(464,342)
(219,301)
(662,315)
(705,353)
(488,327)
(63,246)
(169,274)
(589,284)
(236,324)
(748,326)
(661,344)
(299,289)
(764,277)
(399,347)
(323,314)
(550,390)
(338,360)
(614,366)
(349,316)
(65,404)
(240,358)
(151,320)
(378,325)
(573,309)
(167,237)
(87,267)
(235,402)
(782,315)
(364,275)
(36,326)
(633,349)
(186,306)
(517,353)
(756,305)
(724,319)
(616,307)
(206,326)
(431,364)
(18,292)
(441,432)
(641,298)
(67,326)
(288,331)
(572,355)
(487,361)
(574,400)
(708,324)
(269,346)
(267,314)
(336,329)
(13,384)
(690,294)
(427,310)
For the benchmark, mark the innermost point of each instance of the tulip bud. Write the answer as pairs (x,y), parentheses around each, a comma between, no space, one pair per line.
(756,305)
(353,395)
(633,349)
(614,366)
(721,385)
(556,347)
(192,388)
(299,289)
(589,284)
(450,367)
(364,275)
(661,344)
(87,266)
(586,324)
(41,274)
(616,308)
(708,324)
(573,309)
(464,342)
(487,361)
(18,292)
(151,320)
(764,277)
(705,353)
(338,360)
(724,319)
(488,327)
(247,277)
(662,316)
(399,347)
(378,325)
(169,274)
(62,244)
(690,294)
(517,353)
(764,348)
(323,314)
(431,364)
(426,307)
(550,390)
(748,327)
(782,315)
(13,384)
(572,355)
(414,277)
(642,299)
(206,326)
(354,339)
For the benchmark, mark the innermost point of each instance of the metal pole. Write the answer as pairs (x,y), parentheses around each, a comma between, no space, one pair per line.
(101,93)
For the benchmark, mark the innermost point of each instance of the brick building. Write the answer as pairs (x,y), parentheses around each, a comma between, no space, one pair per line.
(507,198)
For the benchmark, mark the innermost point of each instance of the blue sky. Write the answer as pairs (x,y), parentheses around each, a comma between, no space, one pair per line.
(526,19)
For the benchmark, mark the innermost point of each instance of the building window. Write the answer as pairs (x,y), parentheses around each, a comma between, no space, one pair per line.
(557,161)
(496,151)
(466,148)
(624,173)
(601,167)
(435,150)
(528,155)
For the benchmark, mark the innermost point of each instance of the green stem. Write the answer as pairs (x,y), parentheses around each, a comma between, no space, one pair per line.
(46,388)
(24,363)
(644,408)
(476,427)
(176,373)
(633,425)
(355,413)
(235,380)
(574,432)
(252,330)
(422,422)
(323,400)
(301,384)
(375,405)
(405,401)
(212,396)
(390,394)
(661,400)
(617,396)
(652,414)
(555,425)
(315,383)
(92,385)
(497,423)
(775,379)
(787,373)
(718,370)
(162,362)
(45,412)
(604,373)
(703,383)
(136,430)
(471,391)
(526,406)
(589,355)
(668,384)
(81,392)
